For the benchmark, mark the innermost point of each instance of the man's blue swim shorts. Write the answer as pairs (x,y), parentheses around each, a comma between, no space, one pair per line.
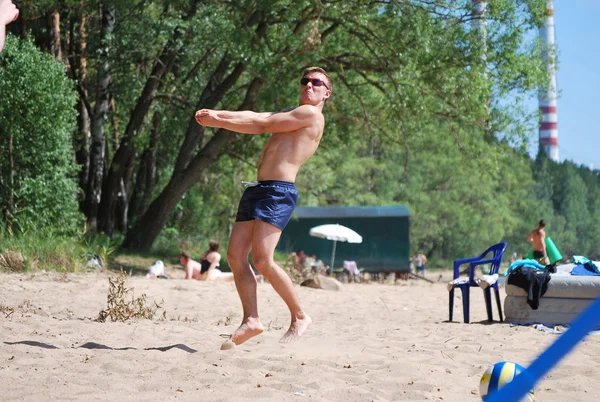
(270,201)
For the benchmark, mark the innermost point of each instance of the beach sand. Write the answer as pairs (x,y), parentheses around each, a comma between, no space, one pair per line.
(368,342)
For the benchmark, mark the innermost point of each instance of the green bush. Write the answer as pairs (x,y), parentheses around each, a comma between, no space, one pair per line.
(44,250)
(50,250)
(37,116)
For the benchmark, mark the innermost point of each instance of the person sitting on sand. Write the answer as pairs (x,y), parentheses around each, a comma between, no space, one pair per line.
(317,266)
(207,269)
(193,269)
(302,261)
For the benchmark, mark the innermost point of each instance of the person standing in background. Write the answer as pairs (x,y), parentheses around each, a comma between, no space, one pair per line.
(420,261)
(537,238)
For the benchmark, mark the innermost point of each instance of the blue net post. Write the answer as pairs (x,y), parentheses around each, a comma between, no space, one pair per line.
(587,321)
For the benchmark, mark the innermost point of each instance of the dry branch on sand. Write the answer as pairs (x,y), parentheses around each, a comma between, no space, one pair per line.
(120,309)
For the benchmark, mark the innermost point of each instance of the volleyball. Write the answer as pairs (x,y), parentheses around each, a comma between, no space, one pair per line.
(499,375)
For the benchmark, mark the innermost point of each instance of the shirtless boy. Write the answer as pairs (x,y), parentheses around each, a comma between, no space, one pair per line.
(537,237)
(266,207)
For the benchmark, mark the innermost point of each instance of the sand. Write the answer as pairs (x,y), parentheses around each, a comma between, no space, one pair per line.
(368,342)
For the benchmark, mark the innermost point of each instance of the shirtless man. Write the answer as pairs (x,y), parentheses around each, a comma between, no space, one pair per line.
(8,14)
(266,207)
(537,237)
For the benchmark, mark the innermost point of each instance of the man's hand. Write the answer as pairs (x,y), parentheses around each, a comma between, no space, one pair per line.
(206,117)
(8,12)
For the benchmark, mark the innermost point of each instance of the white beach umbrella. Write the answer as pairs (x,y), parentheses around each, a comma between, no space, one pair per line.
(336,233)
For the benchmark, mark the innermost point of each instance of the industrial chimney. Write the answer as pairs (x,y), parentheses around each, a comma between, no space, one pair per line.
(547,98)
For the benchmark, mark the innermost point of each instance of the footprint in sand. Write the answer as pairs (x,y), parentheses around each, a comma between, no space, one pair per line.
(227,345)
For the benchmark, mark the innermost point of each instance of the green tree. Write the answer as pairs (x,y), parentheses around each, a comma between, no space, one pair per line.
(411,120)
(572,204)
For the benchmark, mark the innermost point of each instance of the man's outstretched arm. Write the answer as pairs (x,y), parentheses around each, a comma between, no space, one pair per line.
(248,122)
(8,14)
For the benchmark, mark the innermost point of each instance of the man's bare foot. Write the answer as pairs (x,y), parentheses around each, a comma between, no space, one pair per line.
(247,330)
(296,330)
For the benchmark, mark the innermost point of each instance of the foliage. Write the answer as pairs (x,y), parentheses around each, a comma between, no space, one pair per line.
(37,186)
(48,249)
(418,117)
(45,250)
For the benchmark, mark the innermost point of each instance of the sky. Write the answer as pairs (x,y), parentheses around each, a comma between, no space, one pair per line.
(577,36)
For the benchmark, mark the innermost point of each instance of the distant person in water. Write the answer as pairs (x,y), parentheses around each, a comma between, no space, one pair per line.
(207,269)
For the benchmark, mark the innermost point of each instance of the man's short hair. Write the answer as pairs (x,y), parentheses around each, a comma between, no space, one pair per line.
(542,223)
(186,254)
(311,70)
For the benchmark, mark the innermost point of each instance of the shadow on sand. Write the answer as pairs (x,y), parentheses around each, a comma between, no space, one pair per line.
(94,345)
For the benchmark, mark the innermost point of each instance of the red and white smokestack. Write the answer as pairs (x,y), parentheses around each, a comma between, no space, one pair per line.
(547,98)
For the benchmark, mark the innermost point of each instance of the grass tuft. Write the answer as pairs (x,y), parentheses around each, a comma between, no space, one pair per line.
(12,261)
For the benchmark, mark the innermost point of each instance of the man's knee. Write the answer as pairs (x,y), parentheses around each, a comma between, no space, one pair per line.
(263,263)
(235,258)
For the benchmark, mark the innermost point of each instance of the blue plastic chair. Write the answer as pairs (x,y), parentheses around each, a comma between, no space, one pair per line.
(496,250)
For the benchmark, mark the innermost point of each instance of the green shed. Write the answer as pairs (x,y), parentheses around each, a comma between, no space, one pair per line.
(384,229)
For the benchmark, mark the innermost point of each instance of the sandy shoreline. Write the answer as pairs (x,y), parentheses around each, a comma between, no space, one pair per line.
(369,342)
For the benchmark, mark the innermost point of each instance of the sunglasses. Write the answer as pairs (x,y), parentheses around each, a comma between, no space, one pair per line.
(315,81)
